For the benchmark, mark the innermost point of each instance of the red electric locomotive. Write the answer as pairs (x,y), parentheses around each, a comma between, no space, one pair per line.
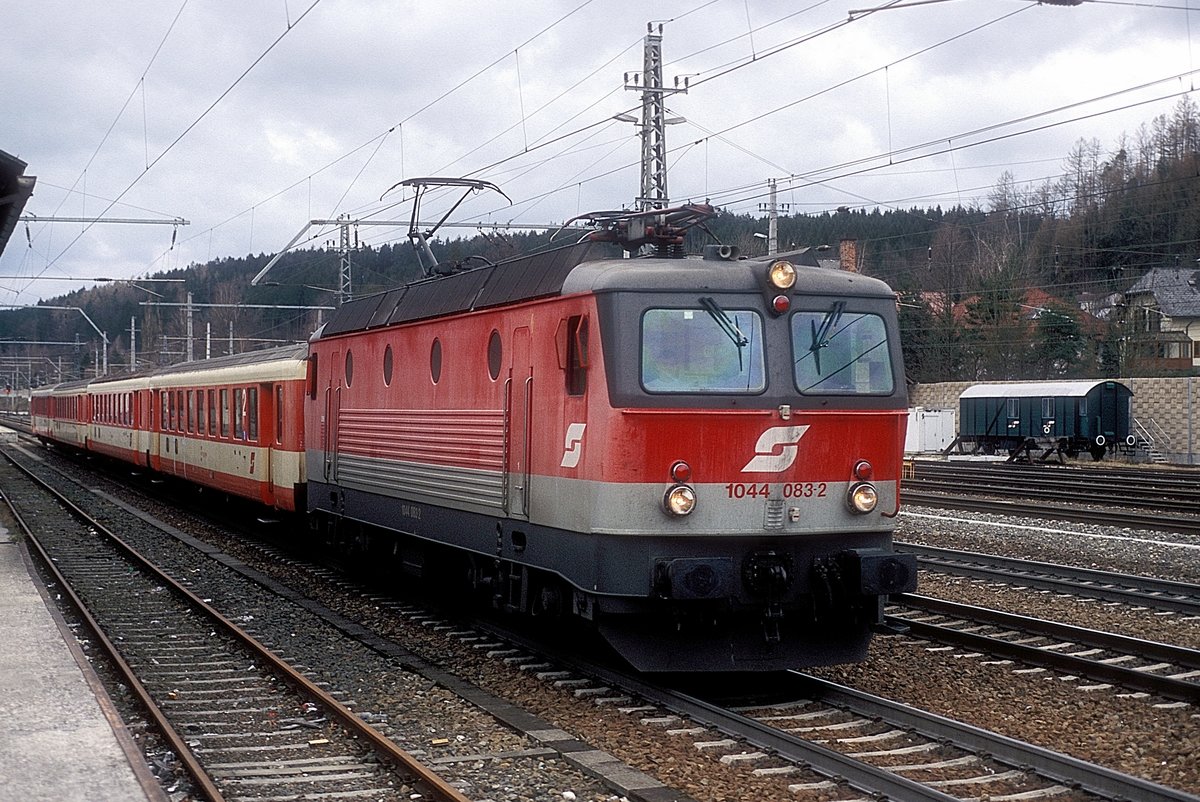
(701,456)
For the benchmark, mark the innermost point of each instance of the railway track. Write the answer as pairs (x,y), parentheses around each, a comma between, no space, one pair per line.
(858,743)
(1176,491)
(1144,666)
(243,722)
(1133,519)
(1159,594)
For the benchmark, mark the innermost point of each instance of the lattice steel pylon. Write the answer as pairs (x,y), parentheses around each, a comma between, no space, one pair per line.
(654,122)
(345,287)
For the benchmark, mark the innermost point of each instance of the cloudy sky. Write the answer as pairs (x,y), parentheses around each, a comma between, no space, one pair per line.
(249,119)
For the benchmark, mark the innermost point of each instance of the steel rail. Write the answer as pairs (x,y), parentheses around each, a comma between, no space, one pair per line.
(1111,495)
(1118,675)
(431,782)
(177,742)
(1162,594)
(1151,650)
(1104,517)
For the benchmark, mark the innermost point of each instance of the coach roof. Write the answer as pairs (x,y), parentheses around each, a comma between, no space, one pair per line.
(1035,389)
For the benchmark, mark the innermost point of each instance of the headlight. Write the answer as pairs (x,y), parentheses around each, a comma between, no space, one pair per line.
(862,498)
(680,500)
(782,275)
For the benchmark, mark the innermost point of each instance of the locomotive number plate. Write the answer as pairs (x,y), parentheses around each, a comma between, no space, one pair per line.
(763,490)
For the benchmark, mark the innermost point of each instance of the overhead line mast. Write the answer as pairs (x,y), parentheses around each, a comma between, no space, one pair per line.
(654,121)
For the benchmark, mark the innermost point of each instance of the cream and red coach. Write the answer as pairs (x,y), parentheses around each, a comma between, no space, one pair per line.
(701,456)
(234,423)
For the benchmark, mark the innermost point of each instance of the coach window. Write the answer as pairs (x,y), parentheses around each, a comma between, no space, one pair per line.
(174,413)
(212,412)
(1047,408)
(387,366)
(1014,408)
(252,414)
(435,360)
(1083,406)
(224,413)
(181,401)
(349,367)
(191,411)
(495,355)
(200,411)
(162,406)
(239,428)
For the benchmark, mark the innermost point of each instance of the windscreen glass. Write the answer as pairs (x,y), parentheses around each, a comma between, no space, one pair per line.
(841,353)
(706,349)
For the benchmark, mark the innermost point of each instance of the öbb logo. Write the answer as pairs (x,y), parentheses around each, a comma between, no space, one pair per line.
(776,449)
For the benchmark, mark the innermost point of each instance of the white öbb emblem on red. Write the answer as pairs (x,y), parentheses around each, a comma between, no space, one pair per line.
(573,445)
(776,449)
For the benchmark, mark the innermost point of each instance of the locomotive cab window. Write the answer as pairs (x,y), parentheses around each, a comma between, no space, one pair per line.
(841,353)
(705,349)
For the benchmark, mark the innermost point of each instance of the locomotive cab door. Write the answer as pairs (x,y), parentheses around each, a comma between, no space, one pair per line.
(519,399)
(333,398)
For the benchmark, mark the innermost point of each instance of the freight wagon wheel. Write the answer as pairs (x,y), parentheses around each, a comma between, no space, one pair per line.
(1097,452)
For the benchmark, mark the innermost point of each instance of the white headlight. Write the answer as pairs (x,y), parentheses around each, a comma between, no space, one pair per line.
(782,275)
(863,498)
(680,500)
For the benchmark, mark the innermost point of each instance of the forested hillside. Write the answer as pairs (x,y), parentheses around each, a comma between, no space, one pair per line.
(996,291)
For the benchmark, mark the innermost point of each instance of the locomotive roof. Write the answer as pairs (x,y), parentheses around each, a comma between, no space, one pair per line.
(564,271)
(711,275)
(1036,389)
(534,276)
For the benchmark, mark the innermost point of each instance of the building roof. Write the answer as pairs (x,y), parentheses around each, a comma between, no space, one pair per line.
(15,189)
(1174,290)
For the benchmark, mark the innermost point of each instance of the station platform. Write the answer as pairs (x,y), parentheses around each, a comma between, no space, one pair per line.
(61,740)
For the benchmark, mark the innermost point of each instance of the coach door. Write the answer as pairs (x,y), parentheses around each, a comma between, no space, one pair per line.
(519,398)
(1110,409)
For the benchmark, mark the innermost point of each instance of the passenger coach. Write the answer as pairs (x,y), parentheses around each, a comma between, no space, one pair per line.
(232,423)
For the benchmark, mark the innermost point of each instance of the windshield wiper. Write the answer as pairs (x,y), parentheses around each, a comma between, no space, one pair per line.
(820,334)
(727,325)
